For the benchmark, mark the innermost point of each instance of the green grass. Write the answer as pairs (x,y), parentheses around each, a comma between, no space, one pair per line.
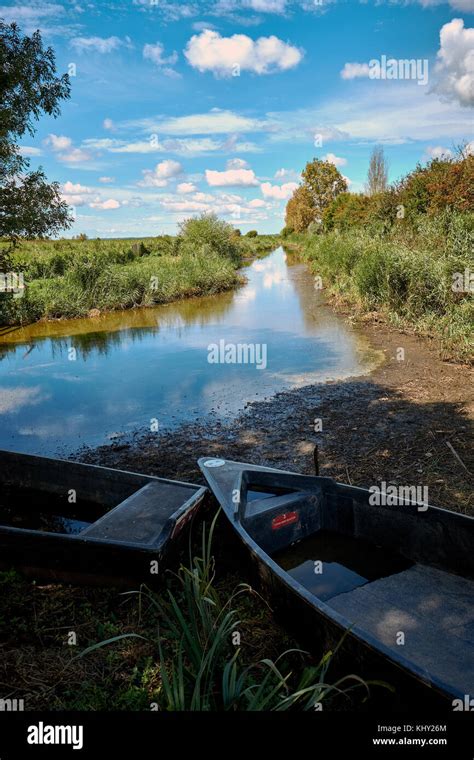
(198,648)
(69,278)
(406,275)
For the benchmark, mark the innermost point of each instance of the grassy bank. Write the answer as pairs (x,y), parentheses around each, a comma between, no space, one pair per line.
(70,278)
(412,276)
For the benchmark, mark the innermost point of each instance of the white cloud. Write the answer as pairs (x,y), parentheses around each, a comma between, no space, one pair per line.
(75,156)
(214,122)
(75,189)
(355,70)
(455,63)
(179,206)
(58,142)
(65,151)
(200,26)
(155,53)
(457,5)
(438,151)
(288,174)
(98,44)
(107,205)
(33,16)
(336,160)
(106,180)
(231,177)
(27,150)
(203,197)
(181,146)
(257,203)
(267,6)
(76,194)
(209,51)
(186,187)
(278,192)
(236,163)
(159,176)
(108,124)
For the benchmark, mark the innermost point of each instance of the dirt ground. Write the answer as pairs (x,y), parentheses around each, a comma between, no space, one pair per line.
(409,422)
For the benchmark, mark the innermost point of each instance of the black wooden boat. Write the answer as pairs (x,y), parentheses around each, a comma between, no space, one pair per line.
(83,523)
(395,583)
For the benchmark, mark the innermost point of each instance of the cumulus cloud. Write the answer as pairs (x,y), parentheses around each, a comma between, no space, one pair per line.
(231,177)
(107,205)
(278,192)
(74,156)
(106,180)
(437,151)
(236,163)
(336,160)
(70,187)
(355,70)
(227,56)
(455,63)
(98,44)
(161,174)
(76,194)
(186,187)
(108,124)
(65,151)
(58,142)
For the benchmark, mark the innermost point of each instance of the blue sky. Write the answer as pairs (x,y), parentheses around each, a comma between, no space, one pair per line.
(216,105)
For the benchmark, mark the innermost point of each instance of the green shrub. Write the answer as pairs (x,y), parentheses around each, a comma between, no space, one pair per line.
(207,234)
(252,233)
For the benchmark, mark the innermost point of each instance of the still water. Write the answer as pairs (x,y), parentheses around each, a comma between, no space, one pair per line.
(85,381)
(328,564)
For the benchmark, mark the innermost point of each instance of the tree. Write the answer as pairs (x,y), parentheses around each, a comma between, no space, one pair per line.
(29,205)
(377,175)
(323,182)
(300,210)
(346,211)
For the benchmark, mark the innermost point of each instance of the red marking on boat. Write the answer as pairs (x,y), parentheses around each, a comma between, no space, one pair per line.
(287,518)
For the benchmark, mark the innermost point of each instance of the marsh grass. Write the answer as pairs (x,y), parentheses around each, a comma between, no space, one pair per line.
(406,275)
(201,662)
(69,278)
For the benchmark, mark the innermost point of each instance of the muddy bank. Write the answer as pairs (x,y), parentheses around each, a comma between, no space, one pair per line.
(408,422)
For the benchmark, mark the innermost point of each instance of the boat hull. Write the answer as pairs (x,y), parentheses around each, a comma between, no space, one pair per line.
(125,527)
(320,626)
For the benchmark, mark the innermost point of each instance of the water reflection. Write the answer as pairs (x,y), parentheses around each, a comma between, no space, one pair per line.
(130,368)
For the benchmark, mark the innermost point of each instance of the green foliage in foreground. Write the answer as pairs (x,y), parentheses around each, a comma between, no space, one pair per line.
(407,274)
(200,667)
(69,278)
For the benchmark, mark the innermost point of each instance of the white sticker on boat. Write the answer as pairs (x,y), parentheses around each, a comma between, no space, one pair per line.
(214,462)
